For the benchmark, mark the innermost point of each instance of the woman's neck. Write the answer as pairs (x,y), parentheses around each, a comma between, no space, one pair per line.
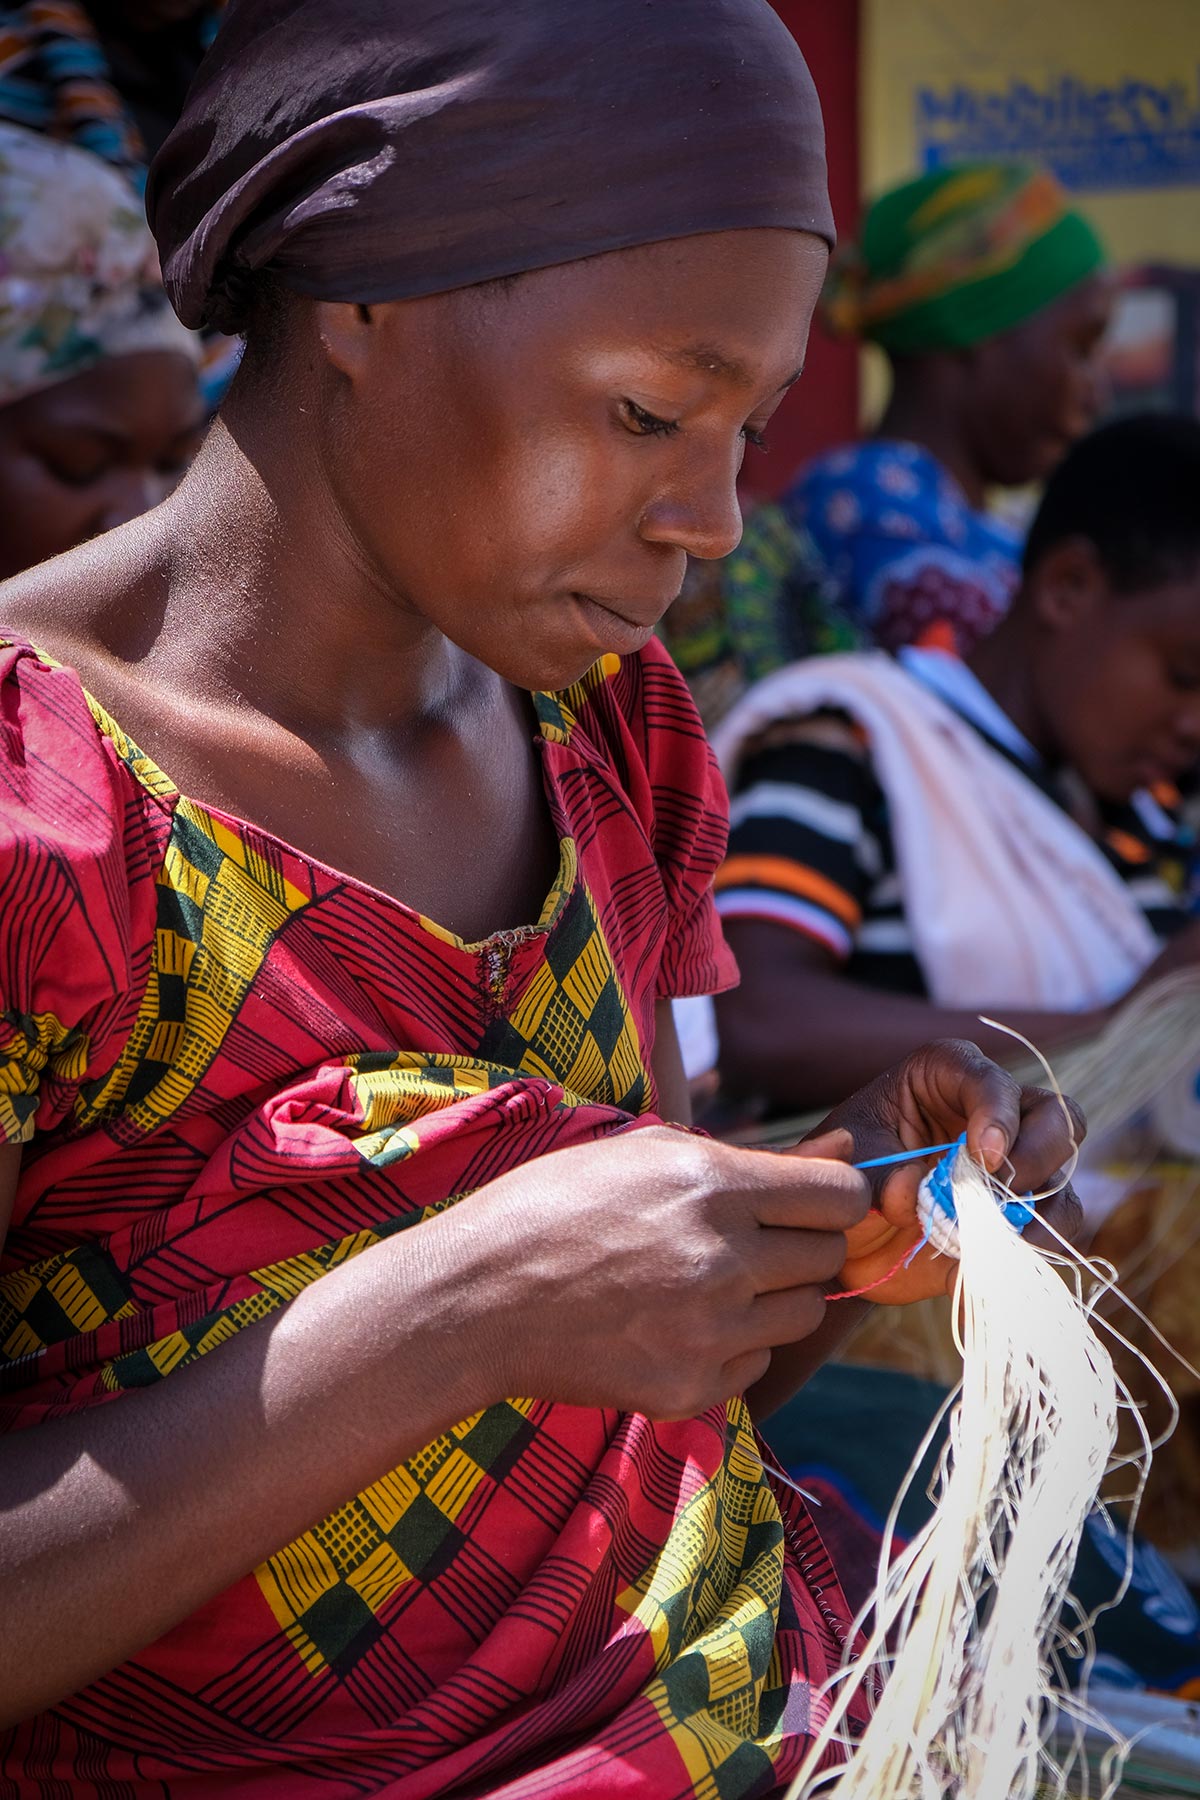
(271,604)
(1001,662)
(922,411)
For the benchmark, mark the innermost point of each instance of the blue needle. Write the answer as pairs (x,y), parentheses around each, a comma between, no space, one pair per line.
(882,1162)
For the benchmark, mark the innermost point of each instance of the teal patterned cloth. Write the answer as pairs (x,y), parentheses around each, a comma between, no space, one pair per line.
(762,607)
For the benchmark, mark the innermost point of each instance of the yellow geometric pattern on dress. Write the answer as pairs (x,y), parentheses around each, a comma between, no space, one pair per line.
(57,1298)
(557,1020)
(32,1043)
(143,767)
(393,1092)
(330,1584)
(226,905)
(706,1596)
(335,1577)
(557,712)
(279,1282)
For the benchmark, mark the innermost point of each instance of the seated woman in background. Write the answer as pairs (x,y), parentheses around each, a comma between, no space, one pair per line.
(109,76)
(372,1353)
(915,841)
(988,294)
(100,412)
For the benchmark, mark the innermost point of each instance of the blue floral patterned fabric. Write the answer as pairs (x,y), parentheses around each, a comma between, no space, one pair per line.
(906,556)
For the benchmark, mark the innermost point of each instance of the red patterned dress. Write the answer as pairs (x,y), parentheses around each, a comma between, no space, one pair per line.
(232,1068)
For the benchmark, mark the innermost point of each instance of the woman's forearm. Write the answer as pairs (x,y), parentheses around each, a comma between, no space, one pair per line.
(117,1523)
(802,1035)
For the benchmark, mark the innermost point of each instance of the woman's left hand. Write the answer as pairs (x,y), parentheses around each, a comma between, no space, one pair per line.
(1022,1134)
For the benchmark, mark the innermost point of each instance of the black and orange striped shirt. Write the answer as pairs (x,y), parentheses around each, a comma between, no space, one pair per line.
(811,845)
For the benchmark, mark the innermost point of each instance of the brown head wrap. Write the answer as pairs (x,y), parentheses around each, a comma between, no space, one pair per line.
(367,150)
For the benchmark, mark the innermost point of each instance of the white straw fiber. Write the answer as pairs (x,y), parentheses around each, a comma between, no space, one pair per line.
(965,1622)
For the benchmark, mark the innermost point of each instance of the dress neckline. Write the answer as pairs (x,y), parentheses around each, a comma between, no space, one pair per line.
(555,719)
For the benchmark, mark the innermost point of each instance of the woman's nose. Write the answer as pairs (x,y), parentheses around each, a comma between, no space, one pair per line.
(699,512)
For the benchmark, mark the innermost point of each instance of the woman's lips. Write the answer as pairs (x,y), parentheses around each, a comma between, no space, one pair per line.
(612,630)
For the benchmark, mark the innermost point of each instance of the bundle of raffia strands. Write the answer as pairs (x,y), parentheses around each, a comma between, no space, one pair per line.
(1152,1044)
(969,1623)
(1139,1084)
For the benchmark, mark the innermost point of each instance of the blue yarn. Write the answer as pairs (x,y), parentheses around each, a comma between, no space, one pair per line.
(939,1185)
(941,1191)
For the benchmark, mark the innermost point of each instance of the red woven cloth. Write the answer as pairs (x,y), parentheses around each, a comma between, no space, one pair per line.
(234,1068)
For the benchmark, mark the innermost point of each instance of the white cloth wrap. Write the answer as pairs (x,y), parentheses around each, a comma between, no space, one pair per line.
(1009,901)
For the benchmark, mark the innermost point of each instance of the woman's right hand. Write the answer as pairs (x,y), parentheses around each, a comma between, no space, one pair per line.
(652,1271)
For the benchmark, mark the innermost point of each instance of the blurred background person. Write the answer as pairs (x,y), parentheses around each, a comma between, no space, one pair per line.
(106,75)
(988,292)
(100,411)
(110,76)
(914,841)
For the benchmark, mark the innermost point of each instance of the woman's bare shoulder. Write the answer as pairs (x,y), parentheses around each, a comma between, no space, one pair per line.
(65,606)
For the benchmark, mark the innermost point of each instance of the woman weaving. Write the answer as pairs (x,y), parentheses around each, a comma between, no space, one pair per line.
(271,1524)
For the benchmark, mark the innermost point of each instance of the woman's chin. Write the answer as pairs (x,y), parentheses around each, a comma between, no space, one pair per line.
(551,676)
(545,668)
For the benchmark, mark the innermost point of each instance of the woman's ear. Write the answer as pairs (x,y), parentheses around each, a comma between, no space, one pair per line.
(346,332)
(1067,584)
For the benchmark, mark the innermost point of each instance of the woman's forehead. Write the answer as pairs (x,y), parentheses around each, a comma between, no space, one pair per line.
(713,304)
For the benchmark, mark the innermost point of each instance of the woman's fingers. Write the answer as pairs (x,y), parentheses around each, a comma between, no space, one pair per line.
(781,1259)
(1051,1130)
(1032,1162)
(785,1318)
(1064,1212)
(811,1193)
(982,1094)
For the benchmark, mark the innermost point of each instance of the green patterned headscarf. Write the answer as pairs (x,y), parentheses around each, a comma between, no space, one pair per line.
(959,256)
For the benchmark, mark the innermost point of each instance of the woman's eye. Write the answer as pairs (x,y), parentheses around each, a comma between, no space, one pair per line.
(754,437)
(647,424)
(78,477)
(77,471)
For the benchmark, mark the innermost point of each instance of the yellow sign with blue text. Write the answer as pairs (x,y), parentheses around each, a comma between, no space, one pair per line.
(1103,92)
